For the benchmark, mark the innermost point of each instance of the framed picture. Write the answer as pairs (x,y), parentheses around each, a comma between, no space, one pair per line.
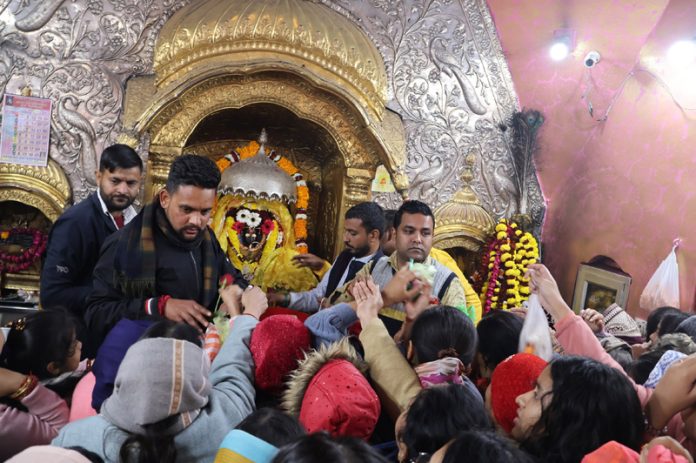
(596,288)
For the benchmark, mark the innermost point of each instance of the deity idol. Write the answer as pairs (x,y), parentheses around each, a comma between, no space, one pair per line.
(253,221)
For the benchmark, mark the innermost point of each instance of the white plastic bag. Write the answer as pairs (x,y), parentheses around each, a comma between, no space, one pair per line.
(663,287)
(535,337)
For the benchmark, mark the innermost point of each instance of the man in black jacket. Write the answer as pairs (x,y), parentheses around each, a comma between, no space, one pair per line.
(167,261)
(78,234)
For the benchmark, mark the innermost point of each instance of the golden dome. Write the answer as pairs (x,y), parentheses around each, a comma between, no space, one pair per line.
(299,35)
(462,222)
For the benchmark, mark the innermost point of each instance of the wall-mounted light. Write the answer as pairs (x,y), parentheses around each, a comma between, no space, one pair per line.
(682,53)
(563,44)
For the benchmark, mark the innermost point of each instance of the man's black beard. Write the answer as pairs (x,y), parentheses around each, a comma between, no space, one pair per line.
(360,252)
(110,206)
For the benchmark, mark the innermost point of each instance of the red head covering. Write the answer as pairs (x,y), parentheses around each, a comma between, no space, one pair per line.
(512,377)
(340,401)
(277,345)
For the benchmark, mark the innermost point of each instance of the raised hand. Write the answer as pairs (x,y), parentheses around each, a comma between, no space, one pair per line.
(254,301)
(231,297)
(368,300)
(542,283)
(413,308)
(594,320)
(405,285)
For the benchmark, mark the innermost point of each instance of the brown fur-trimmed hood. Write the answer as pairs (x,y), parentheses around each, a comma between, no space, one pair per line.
(299,380)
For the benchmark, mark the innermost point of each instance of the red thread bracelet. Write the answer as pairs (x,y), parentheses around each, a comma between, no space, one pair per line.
(162,303)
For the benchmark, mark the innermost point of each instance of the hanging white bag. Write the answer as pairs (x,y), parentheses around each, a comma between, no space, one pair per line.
(535,337)
(663,287)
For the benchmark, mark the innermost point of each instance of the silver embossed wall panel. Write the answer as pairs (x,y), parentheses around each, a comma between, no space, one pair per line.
(80,54)
(448,80)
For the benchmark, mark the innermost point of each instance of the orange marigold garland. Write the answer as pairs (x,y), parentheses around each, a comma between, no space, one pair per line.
(289,168)
(502,283)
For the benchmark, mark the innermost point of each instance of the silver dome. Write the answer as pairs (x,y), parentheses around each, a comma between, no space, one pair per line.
(258,177)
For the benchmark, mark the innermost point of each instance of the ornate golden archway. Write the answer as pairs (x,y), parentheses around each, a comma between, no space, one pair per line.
(23,191)
(297,54)
(44,188)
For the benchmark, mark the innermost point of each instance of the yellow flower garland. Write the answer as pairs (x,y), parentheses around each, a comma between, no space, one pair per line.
(504,265)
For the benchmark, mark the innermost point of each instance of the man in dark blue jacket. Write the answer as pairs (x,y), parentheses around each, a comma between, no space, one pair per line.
(78,234)
(167,261)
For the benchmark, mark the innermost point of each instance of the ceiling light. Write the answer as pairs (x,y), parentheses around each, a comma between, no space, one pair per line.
(563,43)
(682,53)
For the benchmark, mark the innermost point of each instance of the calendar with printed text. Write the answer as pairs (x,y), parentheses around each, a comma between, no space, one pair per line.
(26,130)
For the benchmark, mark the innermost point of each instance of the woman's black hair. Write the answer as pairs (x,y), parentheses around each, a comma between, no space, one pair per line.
(443,331)
(623,357)
(484,447)
(591,404)
(643,365)
(42,338)
(669,323)
(173,330)
(655,317)
(440,413)
(320,447)
(273,426)
(499,336)
(155,445)
(688,327)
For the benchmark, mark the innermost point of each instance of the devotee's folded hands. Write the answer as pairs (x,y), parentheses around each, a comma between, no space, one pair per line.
(368,300)
(254,301)
(187,311)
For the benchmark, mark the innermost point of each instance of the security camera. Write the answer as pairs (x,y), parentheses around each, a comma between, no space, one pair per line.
(592,58)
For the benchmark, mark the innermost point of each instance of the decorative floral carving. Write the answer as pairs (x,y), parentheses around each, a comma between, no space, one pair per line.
(450,83)
(79,54)
(447,79)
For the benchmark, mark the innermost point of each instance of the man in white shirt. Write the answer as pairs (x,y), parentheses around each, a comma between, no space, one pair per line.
(78,234)
(362,232)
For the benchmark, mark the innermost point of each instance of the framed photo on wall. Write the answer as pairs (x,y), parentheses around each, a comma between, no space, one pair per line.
(596,288)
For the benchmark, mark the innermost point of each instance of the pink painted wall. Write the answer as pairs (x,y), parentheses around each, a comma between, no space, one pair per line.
(625,187)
